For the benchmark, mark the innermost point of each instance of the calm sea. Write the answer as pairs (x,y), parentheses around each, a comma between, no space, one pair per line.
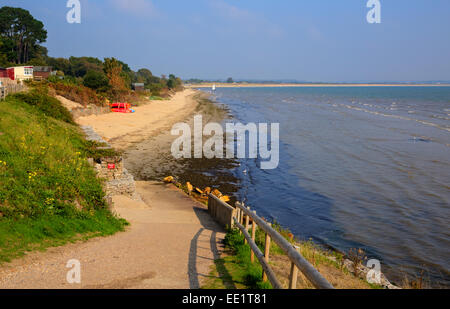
(360,167)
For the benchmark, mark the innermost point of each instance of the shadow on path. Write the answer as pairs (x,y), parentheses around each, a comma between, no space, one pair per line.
(209,226)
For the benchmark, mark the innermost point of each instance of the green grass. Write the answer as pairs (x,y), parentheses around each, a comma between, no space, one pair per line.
(49,193)
(237,270)
(156,98)
(28,234)
(47,105)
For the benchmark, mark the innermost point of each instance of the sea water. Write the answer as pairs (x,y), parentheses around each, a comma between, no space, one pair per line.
(360,167)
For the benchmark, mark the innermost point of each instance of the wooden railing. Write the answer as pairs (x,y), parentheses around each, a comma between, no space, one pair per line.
(240,218)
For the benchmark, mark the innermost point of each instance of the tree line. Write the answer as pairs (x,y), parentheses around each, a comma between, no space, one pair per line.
(21,36)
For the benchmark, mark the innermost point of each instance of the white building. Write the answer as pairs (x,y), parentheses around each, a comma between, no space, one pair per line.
(20,73)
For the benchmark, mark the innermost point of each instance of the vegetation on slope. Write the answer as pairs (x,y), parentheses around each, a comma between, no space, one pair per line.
(49,194)
(235,269)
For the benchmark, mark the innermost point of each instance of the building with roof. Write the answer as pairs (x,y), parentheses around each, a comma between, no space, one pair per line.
(20,73)
(3,73)
(42,72)
(138,86)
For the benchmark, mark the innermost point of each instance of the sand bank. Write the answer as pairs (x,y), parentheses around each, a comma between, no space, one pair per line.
(124,130)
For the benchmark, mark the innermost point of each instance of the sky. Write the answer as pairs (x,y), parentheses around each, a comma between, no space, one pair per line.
(303,40)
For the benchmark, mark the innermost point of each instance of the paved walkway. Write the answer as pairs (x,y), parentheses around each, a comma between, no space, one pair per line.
(171,244)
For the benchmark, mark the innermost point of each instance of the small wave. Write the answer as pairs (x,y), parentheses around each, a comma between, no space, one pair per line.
(440,117)
(419,139)
(396,116)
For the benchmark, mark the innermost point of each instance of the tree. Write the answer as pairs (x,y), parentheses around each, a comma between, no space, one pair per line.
(230,80)
(79,66)
(3,57)
(144,76)
(113,70)
(60,64)
(21,34)
(174,82)
(171,83)
(96,80)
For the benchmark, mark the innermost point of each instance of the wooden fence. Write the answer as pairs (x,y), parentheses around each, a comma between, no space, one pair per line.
(240,217)
(10,89)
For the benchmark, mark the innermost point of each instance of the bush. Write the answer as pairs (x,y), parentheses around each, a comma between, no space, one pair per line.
(156,89)
(77,93)
(96,81)
(49,106)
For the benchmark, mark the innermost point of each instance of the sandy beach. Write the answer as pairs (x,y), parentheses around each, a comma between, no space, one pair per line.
(123,130)
(145,139)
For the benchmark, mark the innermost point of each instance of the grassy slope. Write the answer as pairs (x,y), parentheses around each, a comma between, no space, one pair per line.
(235,270)
(45,179)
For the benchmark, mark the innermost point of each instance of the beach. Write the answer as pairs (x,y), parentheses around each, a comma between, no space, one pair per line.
(123,130)
(145,139)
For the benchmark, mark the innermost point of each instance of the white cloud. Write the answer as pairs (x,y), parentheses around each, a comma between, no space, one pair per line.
(245,20)
(136,7)
(229,11)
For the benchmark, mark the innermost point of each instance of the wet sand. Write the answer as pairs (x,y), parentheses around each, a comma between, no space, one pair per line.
(152,160)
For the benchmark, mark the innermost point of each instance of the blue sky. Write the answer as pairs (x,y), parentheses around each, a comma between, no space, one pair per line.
(305,40)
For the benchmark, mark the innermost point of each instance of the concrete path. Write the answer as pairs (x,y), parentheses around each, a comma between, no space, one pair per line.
(171,244)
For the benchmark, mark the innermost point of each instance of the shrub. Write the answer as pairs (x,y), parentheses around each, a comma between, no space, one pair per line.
(155,89)
(96,81)
(46,104)
(77,93)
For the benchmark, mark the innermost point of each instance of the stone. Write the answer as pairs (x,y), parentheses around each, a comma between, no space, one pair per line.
(189,187)
(198,191)
(225,198)
(217,193)
(169,179)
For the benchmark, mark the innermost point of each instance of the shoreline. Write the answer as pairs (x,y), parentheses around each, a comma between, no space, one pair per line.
(149,159)
(305,85)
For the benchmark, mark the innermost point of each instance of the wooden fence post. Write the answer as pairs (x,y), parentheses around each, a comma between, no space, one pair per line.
(238,218)
(247,222)
(252,255)
(294,273)
(266,254)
